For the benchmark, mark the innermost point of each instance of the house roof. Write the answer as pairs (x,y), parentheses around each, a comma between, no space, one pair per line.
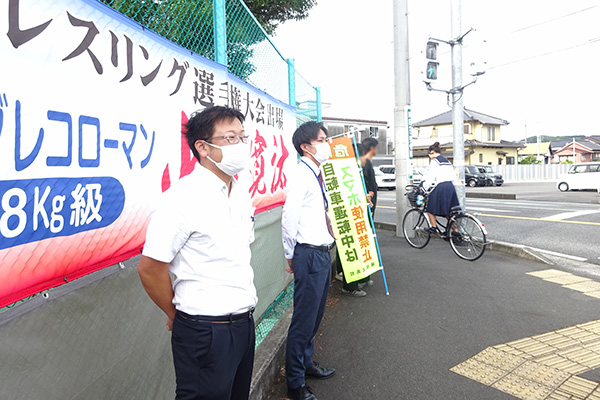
(591,145)
(476,143)
(361,121)
(469,115)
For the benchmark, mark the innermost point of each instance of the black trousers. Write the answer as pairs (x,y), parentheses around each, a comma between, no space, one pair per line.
(213,361)
(338,268)
(312,276)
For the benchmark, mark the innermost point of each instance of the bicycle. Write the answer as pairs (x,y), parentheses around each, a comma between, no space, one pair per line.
(466,234)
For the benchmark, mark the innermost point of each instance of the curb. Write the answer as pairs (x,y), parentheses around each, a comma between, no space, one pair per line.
(269,355)
(502,196)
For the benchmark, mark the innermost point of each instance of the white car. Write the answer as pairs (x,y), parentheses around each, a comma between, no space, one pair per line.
(387,179)
(580,176)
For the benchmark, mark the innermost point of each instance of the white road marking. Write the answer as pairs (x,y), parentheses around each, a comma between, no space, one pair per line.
(553,253)
(469,208)
(572,214)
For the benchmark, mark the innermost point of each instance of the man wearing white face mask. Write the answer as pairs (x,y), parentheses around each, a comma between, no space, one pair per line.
(307,241)
(201,234)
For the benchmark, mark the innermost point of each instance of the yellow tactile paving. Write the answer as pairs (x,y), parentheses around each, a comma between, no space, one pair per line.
(544,366)
(585,286)
(547,273)
(578,386)
(595,293)
(567,279)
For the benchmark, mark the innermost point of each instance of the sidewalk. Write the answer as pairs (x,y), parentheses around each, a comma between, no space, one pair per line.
(441,311)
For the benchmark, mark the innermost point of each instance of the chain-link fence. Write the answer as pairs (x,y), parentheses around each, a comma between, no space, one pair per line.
(250,53)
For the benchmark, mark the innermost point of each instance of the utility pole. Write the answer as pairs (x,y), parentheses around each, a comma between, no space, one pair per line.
(401,110)
(458,117)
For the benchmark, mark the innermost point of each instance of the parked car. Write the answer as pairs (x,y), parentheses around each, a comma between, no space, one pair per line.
(580,176)
(418,175)
(474,177)
(385,176)
(492,178)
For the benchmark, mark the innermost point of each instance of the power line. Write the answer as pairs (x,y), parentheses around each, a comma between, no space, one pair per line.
(553,19)
(591,41)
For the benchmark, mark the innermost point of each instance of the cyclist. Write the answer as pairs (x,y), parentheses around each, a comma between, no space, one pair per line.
(438,182)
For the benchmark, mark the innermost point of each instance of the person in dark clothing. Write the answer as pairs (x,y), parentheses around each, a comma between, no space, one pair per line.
(368,172)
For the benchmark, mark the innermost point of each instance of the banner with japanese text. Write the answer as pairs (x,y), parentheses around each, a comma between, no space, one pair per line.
(91,113)
(349,211)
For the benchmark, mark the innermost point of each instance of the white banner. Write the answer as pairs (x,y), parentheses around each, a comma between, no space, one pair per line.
(91,110)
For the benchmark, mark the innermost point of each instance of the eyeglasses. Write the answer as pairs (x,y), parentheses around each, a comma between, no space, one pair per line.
(232,139)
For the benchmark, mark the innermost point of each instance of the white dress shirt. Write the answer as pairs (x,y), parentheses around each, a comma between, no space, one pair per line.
(303,219)
(205,235)
(440,170)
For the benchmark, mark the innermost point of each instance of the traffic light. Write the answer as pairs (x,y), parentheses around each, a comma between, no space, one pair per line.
(432,70)
(431,51)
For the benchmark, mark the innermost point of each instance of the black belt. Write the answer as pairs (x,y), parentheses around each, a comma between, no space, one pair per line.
(217,318)
(320,248)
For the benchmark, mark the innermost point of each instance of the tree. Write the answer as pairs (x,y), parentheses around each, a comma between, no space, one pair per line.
(531,159)
(189,23)
(270,13)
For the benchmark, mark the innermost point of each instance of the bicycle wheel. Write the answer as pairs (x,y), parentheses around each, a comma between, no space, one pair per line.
(414,227)
(467,237)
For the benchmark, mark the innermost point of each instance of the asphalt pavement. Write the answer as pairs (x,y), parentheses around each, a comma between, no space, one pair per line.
(442,311)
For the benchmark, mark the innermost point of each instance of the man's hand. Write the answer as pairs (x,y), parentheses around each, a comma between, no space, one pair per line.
(290,269)
(157,283)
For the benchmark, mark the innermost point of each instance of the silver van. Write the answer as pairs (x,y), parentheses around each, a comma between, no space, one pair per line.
(580,176)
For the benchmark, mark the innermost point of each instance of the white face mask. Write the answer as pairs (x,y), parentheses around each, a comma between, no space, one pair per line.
(236,158)
(323,152)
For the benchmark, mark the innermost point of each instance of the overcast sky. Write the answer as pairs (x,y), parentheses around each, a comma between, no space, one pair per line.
(542,60)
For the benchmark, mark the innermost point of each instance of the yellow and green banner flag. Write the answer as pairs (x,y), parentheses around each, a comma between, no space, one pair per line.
(349,211)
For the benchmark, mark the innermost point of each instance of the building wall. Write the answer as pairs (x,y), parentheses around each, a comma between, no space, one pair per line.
(488,156)
(364,131)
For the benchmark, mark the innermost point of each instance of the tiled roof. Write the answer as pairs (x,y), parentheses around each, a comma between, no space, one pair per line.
(469,115)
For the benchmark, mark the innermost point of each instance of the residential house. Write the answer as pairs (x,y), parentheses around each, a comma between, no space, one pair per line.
(364,128)
(579,150)
(483,141)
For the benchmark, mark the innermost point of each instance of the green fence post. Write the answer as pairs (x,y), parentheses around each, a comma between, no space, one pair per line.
(220,31)
(319,118)
(291,82)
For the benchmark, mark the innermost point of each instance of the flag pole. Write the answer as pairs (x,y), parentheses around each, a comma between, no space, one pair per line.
(360,169)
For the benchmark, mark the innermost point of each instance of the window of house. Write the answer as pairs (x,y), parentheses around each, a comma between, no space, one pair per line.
(467,130)
(491,133)
(480,157)
(499,161)
(347,128)
(510,160)
(374,131)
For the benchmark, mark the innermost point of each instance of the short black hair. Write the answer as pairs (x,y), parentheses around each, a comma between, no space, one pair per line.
(435,148)
(305,133)
(362,149)
(201,125)
(370,142)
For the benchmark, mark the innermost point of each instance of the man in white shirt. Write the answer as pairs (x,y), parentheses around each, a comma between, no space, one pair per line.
(307,240)
(201,234)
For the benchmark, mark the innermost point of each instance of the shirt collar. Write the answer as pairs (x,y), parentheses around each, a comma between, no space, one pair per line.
(211,180)
(311,164)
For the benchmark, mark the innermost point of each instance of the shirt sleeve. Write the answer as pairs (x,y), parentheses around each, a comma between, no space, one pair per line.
(290,218)
(166,234)
(430,180)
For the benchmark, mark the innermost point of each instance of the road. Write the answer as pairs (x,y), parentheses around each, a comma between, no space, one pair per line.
(540,217)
